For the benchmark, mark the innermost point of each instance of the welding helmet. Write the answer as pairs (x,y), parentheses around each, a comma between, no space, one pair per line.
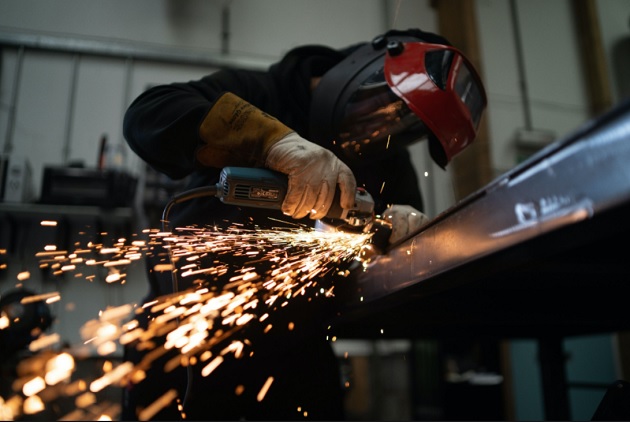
(394,91)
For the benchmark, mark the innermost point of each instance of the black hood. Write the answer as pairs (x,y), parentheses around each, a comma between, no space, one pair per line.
(341,80)
(292,75)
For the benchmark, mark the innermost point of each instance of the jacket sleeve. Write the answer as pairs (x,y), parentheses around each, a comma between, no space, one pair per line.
(163,124)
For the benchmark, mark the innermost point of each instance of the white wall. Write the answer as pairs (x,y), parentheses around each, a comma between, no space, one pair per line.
(615,27)
(553,77)
(262,31)
(63,100)
(258,31)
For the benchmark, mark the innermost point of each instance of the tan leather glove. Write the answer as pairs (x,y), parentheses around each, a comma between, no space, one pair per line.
(405,220)
(236,133)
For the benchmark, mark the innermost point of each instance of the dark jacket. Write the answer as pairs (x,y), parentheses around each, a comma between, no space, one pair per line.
(162,127)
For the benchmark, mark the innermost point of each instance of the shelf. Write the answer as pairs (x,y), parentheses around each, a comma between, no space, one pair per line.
(33,210)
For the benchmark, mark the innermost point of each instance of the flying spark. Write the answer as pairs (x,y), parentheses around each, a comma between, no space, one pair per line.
(215,299)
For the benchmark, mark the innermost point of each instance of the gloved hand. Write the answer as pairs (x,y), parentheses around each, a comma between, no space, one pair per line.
(404,219)
(236,133)
(314,173)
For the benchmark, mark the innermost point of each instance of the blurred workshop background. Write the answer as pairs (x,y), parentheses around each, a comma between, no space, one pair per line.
(69,69)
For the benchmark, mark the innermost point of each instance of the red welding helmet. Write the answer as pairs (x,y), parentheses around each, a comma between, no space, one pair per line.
(395,91)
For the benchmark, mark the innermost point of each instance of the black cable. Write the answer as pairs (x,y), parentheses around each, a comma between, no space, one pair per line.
(183,197)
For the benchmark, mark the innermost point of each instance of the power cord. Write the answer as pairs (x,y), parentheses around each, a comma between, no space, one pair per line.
(179,198)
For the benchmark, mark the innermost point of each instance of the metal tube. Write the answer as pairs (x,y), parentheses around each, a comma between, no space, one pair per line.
(520,60)
(128,78)
(134,50)
(126,93)
(8,143)
(225,28)
(65,152)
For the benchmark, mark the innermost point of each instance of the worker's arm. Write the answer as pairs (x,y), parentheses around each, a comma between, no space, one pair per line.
(162,125)
(235,133)
(179,128)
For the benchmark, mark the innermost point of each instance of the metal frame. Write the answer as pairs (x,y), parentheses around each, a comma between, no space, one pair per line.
(128,49)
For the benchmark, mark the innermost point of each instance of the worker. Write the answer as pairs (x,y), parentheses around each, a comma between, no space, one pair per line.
(329,119)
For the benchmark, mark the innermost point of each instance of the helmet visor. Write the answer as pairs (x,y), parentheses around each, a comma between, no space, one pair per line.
(375,119)
(442,88)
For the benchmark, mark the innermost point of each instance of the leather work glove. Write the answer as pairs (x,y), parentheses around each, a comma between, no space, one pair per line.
(404,219)
(236,133)
(314,173)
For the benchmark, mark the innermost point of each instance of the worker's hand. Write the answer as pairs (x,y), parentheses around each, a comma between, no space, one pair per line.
(404,219)
(314,173)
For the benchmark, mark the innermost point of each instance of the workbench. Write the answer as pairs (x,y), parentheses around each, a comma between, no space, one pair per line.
(540,252)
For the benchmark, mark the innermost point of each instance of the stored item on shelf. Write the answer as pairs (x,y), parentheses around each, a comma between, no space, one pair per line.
(86,186)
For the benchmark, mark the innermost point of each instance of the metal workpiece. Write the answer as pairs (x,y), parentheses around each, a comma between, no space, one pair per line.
(558,198)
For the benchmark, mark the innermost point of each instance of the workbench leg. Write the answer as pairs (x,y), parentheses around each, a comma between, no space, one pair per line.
(554,379)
